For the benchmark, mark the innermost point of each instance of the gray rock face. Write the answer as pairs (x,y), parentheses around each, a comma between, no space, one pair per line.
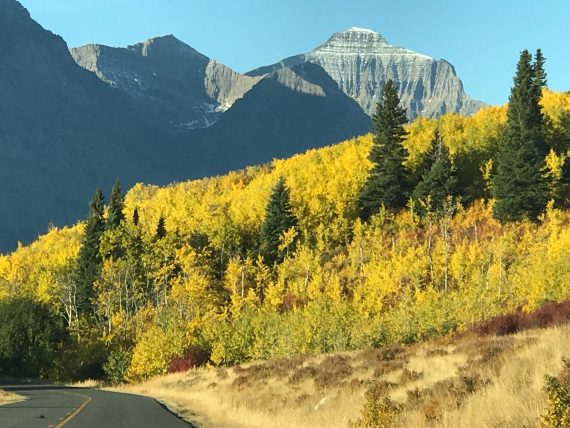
(361,61)
(176,87)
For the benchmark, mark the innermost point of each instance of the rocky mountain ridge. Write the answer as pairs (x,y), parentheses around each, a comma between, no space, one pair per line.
(178,88)
(181,89)
(361,61)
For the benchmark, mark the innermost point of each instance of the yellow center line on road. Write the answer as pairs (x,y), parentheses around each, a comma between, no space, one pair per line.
(76,412)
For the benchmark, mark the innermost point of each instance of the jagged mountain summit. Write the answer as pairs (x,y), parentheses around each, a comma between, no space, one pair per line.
(361,61)
(177,87)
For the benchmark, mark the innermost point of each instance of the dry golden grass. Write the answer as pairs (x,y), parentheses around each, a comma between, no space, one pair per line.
(88,383)
(7,397)
(516,397)
(475,382)
(247,397)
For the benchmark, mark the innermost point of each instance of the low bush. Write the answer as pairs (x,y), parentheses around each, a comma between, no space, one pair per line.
(558,389)
(117,365)
(548,315)
(302,374)
(194,356)
(333,371)
(378,411)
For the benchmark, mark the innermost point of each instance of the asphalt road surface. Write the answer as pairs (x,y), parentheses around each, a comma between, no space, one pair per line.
(57,407)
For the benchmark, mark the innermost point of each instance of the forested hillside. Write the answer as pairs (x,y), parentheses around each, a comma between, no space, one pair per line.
(280,259)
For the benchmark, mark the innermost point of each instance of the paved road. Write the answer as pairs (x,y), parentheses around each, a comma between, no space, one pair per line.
(56,407)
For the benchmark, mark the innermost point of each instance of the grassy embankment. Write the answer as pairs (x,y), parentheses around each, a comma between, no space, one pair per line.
(475,380)
(7,397)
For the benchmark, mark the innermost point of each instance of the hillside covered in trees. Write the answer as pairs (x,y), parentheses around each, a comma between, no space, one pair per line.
(299,255)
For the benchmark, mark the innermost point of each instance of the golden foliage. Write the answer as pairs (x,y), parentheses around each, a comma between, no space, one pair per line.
(344,285)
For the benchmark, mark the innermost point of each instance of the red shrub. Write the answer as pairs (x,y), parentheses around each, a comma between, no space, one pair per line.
(194,356)
(498,326)
(548,315)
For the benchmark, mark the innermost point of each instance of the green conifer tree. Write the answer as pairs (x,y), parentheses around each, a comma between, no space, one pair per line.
(160,228)
(116,206)
(539,72)
(136,216)
(562,188)
(89,259)
(440,180)
(428,158)
(279,218)
(519,188)
(387,184)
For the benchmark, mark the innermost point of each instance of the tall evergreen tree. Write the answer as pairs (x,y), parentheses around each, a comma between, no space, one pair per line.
(136,216)
(89,260)
(519,188)
(116,206)
(279,218)
(439,180)
(562,188)
(539,72)
(387,182)
(160,228)
(428,158)
(115,217)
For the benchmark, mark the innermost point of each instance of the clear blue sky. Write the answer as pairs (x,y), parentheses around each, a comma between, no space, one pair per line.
(481,38)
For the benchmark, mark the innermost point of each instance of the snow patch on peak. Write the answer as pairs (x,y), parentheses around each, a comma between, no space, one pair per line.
(359,30)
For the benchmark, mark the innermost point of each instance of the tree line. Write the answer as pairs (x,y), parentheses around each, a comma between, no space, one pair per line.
(519,184)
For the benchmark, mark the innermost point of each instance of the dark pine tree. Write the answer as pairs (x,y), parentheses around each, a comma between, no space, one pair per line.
(519,188)
(279,218)
(439,180)
(539,72)
(562,188)
(387,183)
(136,216)
(115,217)
(116,206)
(89,260)
(160,228)
(428,158)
